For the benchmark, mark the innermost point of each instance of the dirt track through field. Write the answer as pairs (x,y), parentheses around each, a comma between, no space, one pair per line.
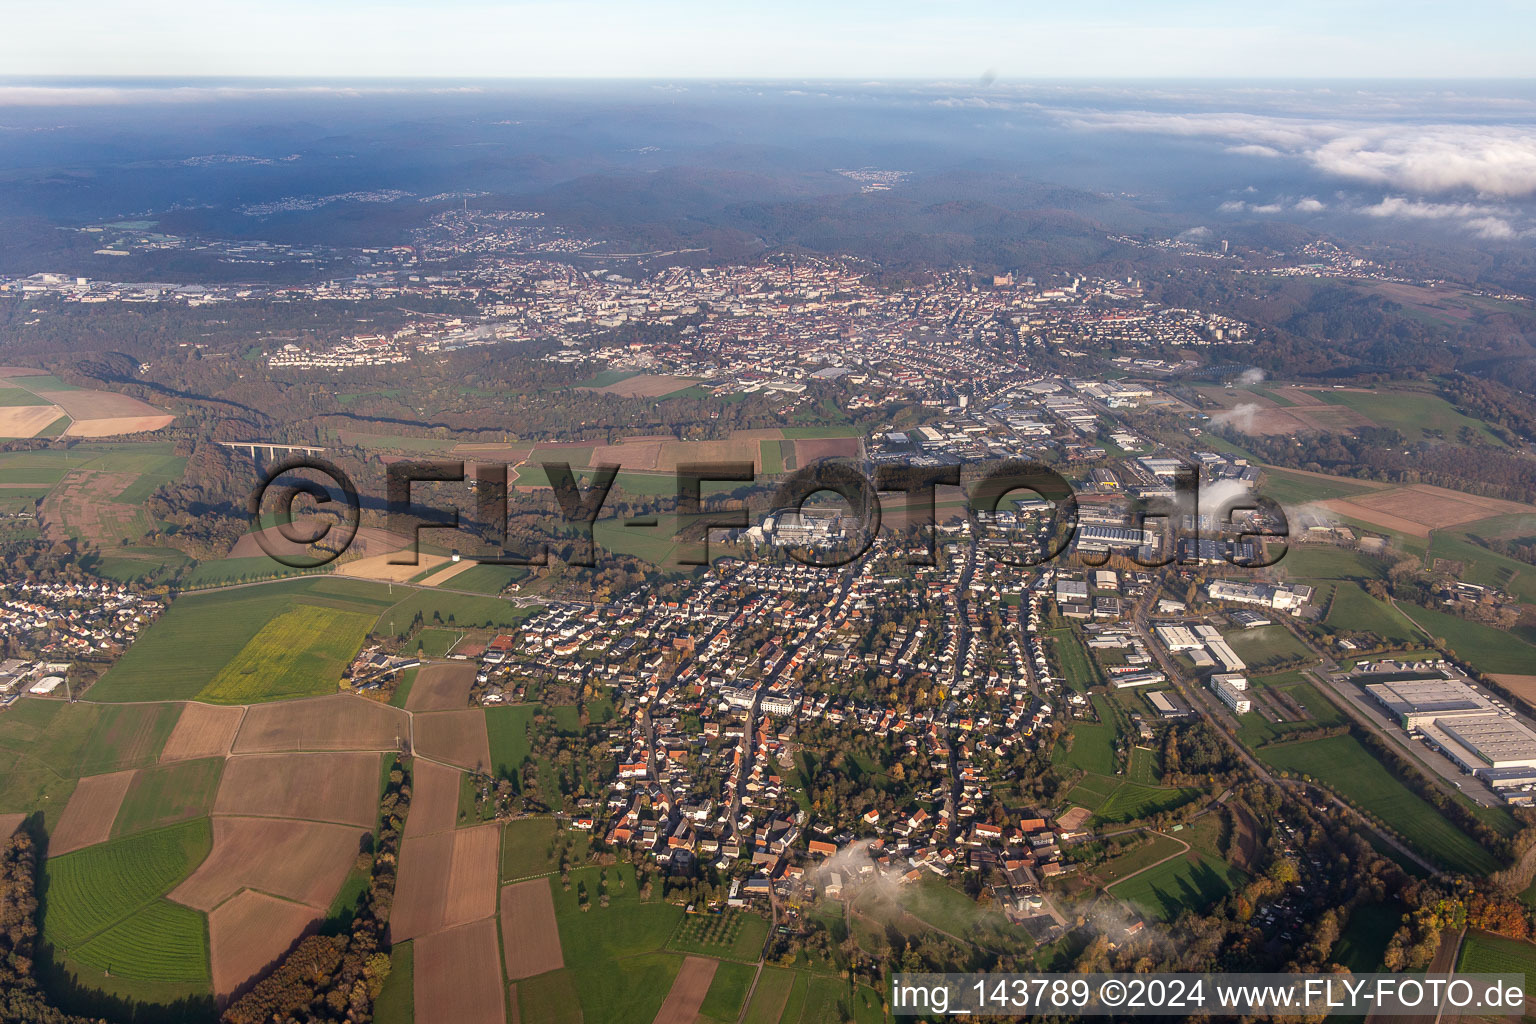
(688,991)
(88,817)
(530,937)
(457,978)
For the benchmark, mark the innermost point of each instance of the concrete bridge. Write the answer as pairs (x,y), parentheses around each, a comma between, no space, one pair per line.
(256,449)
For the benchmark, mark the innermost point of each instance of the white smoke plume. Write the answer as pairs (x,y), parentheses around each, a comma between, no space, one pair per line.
(1239,416)
(1250,376)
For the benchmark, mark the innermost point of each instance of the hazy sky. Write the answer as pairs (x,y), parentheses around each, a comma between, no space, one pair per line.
(780,38)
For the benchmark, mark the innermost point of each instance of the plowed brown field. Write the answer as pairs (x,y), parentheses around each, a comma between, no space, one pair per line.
(342,788)
(303,861)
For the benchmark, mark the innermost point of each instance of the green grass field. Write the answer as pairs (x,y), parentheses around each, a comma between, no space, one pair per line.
(135,563)
(487,579)
(533,846)
(1144,767)
(161,941)
(1076,670)
(78,739)
(1300,489)
(201,634)
(222,572)
(436,643)
(549,997)
(103,906)
(1325,562)
(1093,748)
(1420,415)
(1364,940)
(732,935)
(166,794)
(507,729)
(1133,801)
(1265,645)
(1482,953)
(1341,762)
(1148,853)
(1256,729)
(727,992)
(1483,647)
(613,951)
(300,653)
(396,1003)
(1356,611)
(20,396)
(1191,882)
(769,1000)
(438,608)
(1091,791)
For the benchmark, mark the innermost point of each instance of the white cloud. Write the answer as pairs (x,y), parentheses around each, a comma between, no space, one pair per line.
(1491,160)
(1490,227)
(1254,149)
(1480,219)
(1309,205)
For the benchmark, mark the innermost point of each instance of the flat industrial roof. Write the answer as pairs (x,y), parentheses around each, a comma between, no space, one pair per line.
(1497,739)
(1438,697)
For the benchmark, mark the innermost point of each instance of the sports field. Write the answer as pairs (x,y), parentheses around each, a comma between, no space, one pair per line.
(1342,763)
